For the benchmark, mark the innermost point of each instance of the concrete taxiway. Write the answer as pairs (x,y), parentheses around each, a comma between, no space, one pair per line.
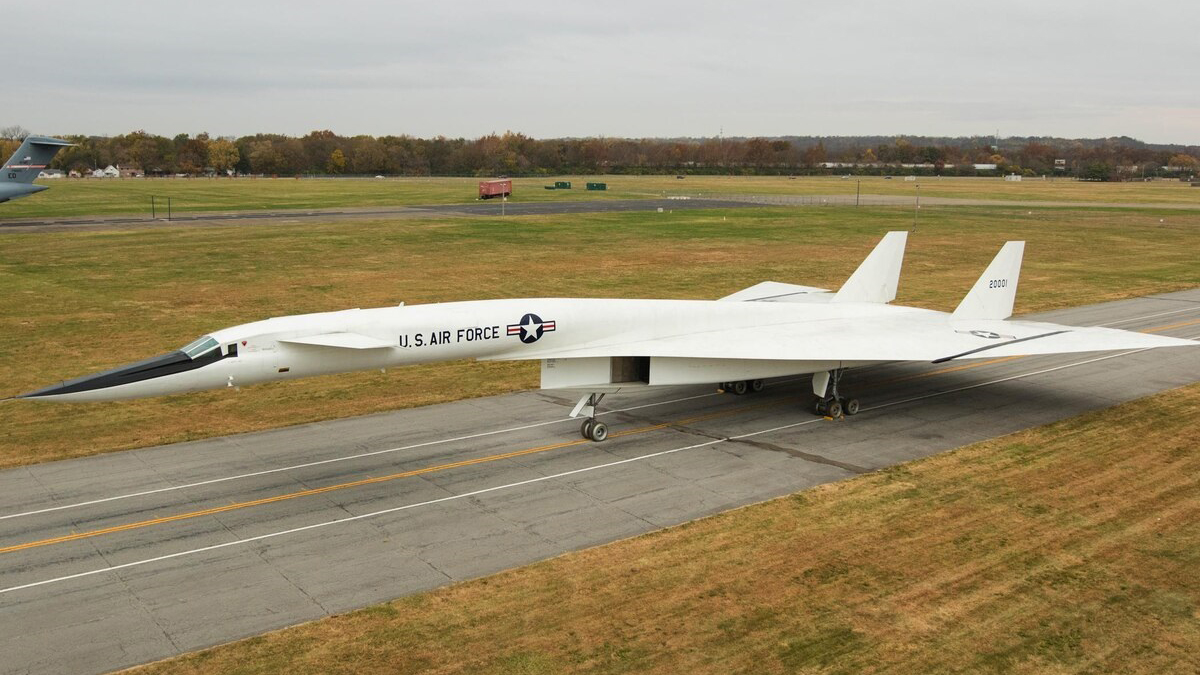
(133,556)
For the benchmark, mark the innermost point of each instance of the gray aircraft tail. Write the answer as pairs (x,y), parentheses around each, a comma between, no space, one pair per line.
(31,158)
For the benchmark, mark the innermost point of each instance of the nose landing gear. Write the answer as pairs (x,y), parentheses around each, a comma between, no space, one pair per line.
(591,429)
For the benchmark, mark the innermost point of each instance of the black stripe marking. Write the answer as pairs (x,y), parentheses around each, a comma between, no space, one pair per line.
(167,364)
(999,344)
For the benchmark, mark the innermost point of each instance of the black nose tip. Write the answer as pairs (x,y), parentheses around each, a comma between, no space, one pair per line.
(158,366)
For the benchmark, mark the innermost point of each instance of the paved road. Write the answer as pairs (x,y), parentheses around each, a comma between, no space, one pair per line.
(133,556)
(488,208)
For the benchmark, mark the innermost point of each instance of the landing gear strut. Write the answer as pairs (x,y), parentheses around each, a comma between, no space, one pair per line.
(591,429)
(828,401)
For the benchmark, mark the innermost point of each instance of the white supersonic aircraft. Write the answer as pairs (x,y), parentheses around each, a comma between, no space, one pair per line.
(596,346)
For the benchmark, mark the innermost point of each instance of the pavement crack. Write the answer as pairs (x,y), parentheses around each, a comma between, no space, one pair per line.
(551,398)
(800,454)
(259,552)
(298,587)
(764,445)
(417,554)
(137,598)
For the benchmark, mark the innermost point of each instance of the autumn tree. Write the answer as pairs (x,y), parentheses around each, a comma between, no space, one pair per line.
(191,154)
(814,155)
(264,158)
(223,155)
(1182,161)
(337,162)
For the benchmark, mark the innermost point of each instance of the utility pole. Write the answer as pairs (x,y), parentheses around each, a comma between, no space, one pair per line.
(917,208)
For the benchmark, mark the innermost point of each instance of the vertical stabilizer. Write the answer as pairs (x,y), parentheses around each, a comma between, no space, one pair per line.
(993,295)
(31,158)
(877,278)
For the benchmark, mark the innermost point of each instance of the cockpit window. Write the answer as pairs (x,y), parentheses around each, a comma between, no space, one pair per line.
(201,346)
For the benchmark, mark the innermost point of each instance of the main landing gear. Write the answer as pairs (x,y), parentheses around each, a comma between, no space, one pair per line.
(591,429)
(828,402)
(742,387)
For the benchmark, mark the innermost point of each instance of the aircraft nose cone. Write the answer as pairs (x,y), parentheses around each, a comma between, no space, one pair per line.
(44,391)
(135,372)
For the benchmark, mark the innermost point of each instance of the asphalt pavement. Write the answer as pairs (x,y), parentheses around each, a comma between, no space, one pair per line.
(129,557)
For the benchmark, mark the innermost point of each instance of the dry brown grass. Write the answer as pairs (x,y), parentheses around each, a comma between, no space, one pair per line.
(1062,549)
(73,303)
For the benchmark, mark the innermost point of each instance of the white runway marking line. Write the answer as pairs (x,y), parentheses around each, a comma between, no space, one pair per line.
(475,493)
(332,460)
(1149,316)
(416,446)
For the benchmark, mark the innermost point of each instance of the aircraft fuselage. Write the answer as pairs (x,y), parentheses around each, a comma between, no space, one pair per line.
(363,339)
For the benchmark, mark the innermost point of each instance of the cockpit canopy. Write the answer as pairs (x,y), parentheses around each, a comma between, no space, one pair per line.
(200,346)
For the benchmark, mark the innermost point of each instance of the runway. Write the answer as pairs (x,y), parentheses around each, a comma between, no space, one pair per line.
(129,557)
(481,208)
(494,208)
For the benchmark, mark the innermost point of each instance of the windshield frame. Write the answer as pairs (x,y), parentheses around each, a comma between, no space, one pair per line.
(200,346)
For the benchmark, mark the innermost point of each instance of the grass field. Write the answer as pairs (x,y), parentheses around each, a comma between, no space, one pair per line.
(132,196)
(73,303)
(1071,548)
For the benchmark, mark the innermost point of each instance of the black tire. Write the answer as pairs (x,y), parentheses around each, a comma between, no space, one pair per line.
(740,387)
(819,407)
(757,385)
(586,429)
(834,410)
(851,406)
(599,432)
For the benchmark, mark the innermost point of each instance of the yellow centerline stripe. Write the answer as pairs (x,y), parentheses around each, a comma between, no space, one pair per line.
(364,481)
(1174,325)
(480,460)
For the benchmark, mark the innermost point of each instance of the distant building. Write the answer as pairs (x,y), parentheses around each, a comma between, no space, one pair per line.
(50,173)
(985,167)
(1013,178)
(109,172)
(130,172)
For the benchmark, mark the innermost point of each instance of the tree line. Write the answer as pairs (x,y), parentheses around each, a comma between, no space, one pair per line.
(515,154)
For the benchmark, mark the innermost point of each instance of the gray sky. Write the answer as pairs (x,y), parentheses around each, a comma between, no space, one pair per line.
(609,68)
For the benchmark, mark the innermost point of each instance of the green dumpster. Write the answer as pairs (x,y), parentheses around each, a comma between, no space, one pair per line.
(597,186)
(562,185)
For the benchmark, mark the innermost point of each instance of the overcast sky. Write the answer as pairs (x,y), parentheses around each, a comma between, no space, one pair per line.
(606,68)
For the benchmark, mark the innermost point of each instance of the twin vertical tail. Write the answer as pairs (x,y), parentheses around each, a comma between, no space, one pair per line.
(993,294)
(992,297)
(878,277)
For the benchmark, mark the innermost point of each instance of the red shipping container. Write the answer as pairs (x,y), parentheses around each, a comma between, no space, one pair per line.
(494,188)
